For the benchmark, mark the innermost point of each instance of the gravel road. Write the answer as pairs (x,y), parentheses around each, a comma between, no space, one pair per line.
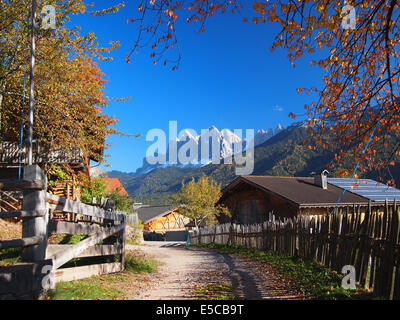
(183,268)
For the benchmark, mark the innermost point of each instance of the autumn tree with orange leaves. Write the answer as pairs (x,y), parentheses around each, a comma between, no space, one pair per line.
(69,85)
(359,96)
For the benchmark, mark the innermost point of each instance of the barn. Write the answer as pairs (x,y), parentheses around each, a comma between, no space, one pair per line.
(251,199)
(163,222)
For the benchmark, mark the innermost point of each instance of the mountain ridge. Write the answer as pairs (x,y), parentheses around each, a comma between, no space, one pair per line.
(284,154)
(227,143)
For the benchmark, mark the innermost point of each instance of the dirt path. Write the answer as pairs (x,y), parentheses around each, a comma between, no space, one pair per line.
(185,267)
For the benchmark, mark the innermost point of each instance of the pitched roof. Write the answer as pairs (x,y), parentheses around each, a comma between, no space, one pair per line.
(149,213)
(113,184)
(301,192)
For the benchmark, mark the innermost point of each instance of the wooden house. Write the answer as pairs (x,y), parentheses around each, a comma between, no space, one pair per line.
(250,199)
(161,219)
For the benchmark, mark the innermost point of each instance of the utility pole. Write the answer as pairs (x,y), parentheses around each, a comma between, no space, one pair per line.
(32,82)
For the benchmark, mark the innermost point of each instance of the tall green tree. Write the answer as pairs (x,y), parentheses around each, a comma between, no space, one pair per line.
(96,190)
(197,200)
(121,202)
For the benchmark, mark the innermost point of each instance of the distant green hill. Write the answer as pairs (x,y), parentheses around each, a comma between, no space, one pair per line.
(282,155)
(286,155)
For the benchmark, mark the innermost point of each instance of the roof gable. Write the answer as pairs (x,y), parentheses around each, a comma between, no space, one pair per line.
(149,213)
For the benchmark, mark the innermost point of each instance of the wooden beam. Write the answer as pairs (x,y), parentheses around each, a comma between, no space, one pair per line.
(76,273)
(74,206)
(71,227)
(63,257)
(94,251)
(34,200)
(7,194)
(17,185)
(25,280)
(122,238)
(22,214)
(9,204)
(21,243)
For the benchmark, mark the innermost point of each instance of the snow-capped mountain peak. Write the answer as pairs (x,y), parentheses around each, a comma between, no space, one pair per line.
(229,143)
(185,135)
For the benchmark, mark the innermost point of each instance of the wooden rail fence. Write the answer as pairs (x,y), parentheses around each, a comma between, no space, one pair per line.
(97,223)
(368,241)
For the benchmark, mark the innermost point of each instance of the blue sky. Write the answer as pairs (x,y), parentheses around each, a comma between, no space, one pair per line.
(227,78)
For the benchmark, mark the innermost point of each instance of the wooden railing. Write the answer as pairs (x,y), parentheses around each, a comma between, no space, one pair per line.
(370,242)
(10,154)
(98,224)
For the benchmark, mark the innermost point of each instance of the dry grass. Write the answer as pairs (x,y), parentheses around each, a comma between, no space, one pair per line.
(9,230)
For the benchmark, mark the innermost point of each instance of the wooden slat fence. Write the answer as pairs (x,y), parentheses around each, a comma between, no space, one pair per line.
(367,240)
(133,219)
(102,226)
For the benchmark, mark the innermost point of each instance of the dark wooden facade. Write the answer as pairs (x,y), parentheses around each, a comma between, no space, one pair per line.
(249,205)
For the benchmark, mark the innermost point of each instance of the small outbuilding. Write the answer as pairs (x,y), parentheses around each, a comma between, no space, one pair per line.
(163,220)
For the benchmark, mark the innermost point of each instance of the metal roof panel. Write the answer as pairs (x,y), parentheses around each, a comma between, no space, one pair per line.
(367,188)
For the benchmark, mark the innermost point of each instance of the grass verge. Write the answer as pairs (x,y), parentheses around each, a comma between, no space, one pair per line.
(310,278)
(93,288)
(10,256)
(139,264)
(105,287)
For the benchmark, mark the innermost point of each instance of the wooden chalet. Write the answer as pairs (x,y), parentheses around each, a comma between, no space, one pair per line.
(250,199)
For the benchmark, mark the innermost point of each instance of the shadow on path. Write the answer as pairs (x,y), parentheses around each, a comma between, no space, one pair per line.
(244,283)
(253,280)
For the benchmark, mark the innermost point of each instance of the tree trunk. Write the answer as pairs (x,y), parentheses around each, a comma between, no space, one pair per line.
(1,105)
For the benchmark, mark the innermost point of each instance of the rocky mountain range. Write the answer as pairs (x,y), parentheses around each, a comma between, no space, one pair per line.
(194,150)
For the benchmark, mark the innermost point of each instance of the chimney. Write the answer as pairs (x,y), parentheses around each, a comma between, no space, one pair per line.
(320,179)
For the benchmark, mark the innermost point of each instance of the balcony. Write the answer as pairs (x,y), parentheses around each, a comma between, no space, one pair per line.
(10,153)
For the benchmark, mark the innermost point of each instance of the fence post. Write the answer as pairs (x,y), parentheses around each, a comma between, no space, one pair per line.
(122,240)
(199,236)
(35,226)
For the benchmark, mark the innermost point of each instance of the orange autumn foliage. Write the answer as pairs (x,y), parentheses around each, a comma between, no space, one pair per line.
(360,89)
